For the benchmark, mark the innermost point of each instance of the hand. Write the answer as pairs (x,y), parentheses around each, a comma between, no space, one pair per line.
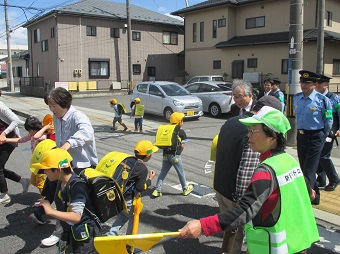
(2,138)
(337,134)
(66,146)
(46,205)
(151,174)
(313,195)
(193,229)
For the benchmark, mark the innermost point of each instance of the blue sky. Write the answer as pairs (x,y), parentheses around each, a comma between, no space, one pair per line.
(17,16)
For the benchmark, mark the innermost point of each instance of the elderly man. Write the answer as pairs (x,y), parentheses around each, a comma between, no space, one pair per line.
(243,97)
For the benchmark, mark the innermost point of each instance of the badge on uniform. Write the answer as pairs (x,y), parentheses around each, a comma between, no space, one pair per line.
(313,108)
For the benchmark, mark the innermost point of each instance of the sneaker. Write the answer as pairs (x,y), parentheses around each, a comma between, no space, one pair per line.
(5,199)
(188,190)
(50,241)
(25,184)
(156,193)
(125,129)
(36,219)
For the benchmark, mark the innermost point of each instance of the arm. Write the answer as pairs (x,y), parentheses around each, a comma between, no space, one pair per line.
(42,131)
(10,118)
(72,217)
(19,140)
(141,172)
(328,117)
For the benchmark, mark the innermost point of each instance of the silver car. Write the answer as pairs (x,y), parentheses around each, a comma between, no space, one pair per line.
(164,97)
(216,96)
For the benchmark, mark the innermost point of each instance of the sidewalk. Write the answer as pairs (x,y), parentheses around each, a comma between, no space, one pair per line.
(328,210)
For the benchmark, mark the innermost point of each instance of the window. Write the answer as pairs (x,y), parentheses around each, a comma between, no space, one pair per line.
(194,32)
(99,67)
(255,22)
(115,32)
(336,66)
(170,38)
(152,71)
(237,69)
(19,71)
(52,32)
(329,17)
(202,31)
(214,28)
(44,45)
(91,31)
(217,64)
(36,33)
(222,22)
(142,88)
(252,63)
(135,36)
(136,69)
(284,66)
(154,90)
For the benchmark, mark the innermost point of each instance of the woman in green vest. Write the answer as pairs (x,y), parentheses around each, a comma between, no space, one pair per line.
(277,201)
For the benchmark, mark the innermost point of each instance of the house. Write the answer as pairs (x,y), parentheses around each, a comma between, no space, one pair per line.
(252,36)
(85,45)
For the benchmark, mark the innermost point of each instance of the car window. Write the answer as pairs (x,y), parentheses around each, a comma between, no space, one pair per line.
(217,78)
(204,79)
(224,87)
(142,88)
(193,88)
(154,90)
(174,90)
(206,88)
(192,80)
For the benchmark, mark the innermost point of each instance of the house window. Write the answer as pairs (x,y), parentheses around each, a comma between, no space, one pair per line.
(91,31)
(255,22)
(336,66)
(202,31)
(237,69)
(19,71)
(284,66)
(135,36)
(217,64)
(136,69)
(13,72)
(114,32)
(222,22)
(252,63)
(152,71)
(99,67)
(36,33)
(214,28)
(44,45)
(52,32)
(170,38)
(329,17)
(194,32)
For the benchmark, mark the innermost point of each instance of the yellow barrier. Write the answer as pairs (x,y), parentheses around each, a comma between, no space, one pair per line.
(92,85)
(82,86)
(72,86)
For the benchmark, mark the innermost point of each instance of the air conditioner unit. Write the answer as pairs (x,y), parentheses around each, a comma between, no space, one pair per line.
(75,71)
(79,72)
(252,77)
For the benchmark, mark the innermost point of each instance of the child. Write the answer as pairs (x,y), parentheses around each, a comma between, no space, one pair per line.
(139,182)
(79,229)
(173,158)
(118,115)
(33,126)
(138,116)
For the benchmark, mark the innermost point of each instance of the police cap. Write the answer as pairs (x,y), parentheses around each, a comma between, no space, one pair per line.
(324,78)
(308,76)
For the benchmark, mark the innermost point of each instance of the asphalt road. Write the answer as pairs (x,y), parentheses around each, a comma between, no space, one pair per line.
(165,214)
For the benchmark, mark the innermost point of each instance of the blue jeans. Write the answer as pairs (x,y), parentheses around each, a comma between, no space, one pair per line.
(121,219)
(139,122)
(170,160)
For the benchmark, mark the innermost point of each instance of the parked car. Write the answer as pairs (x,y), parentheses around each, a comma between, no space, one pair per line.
(205,78)
(216,96)
(163,98)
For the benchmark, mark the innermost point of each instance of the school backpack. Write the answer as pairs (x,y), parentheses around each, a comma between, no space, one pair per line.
(139,110)
(167,137)
(121,108)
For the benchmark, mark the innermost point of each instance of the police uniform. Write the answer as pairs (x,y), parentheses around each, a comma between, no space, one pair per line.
(314,121)
(326,166)
(279,94)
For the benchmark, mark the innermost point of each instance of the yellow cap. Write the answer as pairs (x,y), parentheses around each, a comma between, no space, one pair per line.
(55,158)
(113,101)
(145,147)
(176,118)
(137,100)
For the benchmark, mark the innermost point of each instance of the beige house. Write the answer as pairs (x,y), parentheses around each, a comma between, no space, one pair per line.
(85,44)
(252,37)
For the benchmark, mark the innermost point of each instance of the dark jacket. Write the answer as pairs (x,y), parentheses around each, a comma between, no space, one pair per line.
(261,94)
(235,110)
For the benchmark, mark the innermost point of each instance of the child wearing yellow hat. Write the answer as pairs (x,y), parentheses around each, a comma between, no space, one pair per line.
(118,115)
(137,114)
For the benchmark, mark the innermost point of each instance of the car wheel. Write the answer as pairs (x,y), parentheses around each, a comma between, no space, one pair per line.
(215,110)
(167,113)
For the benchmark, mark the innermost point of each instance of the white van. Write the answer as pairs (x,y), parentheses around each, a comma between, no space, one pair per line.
(205,78)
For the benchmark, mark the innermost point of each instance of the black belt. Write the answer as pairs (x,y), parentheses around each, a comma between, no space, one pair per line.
(301,131)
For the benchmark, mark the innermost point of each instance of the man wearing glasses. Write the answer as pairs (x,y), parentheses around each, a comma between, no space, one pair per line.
(243,97)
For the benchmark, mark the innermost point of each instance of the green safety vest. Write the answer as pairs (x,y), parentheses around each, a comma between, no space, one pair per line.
(296,228)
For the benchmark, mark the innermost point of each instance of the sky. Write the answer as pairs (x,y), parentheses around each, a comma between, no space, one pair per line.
(19,11)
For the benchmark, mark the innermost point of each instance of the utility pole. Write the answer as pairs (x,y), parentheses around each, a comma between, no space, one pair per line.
(130,81)
(9,59)
(295,62)
(321,37)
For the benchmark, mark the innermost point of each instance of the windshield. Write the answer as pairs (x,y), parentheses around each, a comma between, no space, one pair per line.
(217,78)
(174,90)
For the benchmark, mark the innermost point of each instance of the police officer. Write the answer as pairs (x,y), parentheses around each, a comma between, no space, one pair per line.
(313,112)
(326,166)
(278,93)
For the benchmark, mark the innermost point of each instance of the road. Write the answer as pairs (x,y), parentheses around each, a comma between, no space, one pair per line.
(168,213)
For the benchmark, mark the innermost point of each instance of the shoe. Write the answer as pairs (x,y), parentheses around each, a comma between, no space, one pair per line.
(50,241)
(188,190)
(156,193)
(36,219)
(332,186)
(25,184)
(316,201)
(5,199)
(125,129)
(320,185)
